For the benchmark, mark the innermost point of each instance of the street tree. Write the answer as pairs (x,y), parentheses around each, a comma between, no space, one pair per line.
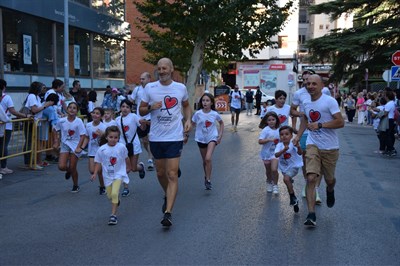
(369,44)
(206,34)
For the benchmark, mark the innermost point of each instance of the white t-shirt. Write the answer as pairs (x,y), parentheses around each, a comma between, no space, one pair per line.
(33,100)
(131,123)
(91,106)
(7,103)
(166,122)
(389,107)
(206,126)
(137,96)
(283,113)
(268,149)
(377,120)
(71,132)
(61,99)
(321,111)
(289,159)
(112,160)
(94,137)
(110,123)
(236,99)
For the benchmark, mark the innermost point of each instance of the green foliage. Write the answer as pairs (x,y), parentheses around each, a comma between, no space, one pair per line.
(227,27)
(368,45)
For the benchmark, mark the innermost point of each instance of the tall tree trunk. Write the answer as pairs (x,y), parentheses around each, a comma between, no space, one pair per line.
(195,68)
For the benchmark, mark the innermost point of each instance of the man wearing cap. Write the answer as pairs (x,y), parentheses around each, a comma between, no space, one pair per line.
(112,100)
(300,99)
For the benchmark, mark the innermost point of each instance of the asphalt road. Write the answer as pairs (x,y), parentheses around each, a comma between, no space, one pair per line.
(237,223)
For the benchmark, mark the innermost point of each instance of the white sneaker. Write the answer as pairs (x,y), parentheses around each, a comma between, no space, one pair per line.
(269,187)
(5,171)
(275,190)
(150,165)
(317,198)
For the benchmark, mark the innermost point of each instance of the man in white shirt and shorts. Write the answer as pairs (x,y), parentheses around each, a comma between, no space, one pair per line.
(321,117)
(166,101)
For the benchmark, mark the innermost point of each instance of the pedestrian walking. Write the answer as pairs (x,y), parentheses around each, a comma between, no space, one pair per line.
(72,131)
(269,138)
(249,96)
(236,103)
(258,98)
(321,117)
(167,100)
(207,135)
(290,161)
(113,161)
(128,123)
(137,96)
(94,131)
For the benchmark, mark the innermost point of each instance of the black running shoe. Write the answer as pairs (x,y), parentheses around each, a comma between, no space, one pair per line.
(330,198)
(142,173)
(208,185)
(102,190)
(113,220)
(166,221)
(295,203)
(311,220)
(164,206)
(67,175)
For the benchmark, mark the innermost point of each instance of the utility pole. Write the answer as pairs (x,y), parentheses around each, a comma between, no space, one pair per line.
(66,48)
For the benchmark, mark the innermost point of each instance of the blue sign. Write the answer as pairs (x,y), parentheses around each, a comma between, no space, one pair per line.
(395,73)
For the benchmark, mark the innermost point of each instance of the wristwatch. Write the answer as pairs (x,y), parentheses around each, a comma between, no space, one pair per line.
(149,107)
(319,125)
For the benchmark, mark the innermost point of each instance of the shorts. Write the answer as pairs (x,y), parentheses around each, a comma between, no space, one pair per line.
(143,133)
(166,149)
(321,161)
(234,110)
(65,148)
(205,145)
(291,172)
(303,141)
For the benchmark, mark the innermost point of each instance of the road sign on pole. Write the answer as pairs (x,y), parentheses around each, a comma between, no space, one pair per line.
(396,58)
(395,73)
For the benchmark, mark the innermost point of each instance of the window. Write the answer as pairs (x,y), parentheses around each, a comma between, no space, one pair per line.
(27,43)
(302,39)
(115,8)
(282,41)
(303,17)
(108,57)
(321,27)
(327,26)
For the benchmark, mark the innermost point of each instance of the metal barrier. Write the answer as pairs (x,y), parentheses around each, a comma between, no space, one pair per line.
(29,138)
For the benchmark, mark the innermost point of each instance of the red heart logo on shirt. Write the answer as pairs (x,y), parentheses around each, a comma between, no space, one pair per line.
(208,123)
(71,132)
(282,118)
(170,102)
(94,135)
(113,160)
(126,128)
(287,156)
(276,141)
(314,115)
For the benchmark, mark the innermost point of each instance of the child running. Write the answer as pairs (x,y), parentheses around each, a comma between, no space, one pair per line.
(290,161)
(94,131)
(128,123)
(72,137)
(108,118)
(112,160)
(269,138)
(207,134)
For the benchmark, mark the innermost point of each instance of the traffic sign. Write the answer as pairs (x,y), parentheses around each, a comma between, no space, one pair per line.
(395,73)
(387,75)
(396,58)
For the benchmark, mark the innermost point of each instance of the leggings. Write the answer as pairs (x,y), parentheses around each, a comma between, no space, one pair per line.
(4,141)
(113,191)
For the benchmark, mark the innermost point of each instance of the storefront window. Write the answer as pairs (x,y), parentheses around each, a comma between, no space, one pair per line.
(108,57)
(27,44)
(115,8)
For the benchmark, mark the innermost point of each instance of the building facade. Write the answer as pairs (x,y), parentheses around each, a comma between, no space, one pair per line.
(32,42)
